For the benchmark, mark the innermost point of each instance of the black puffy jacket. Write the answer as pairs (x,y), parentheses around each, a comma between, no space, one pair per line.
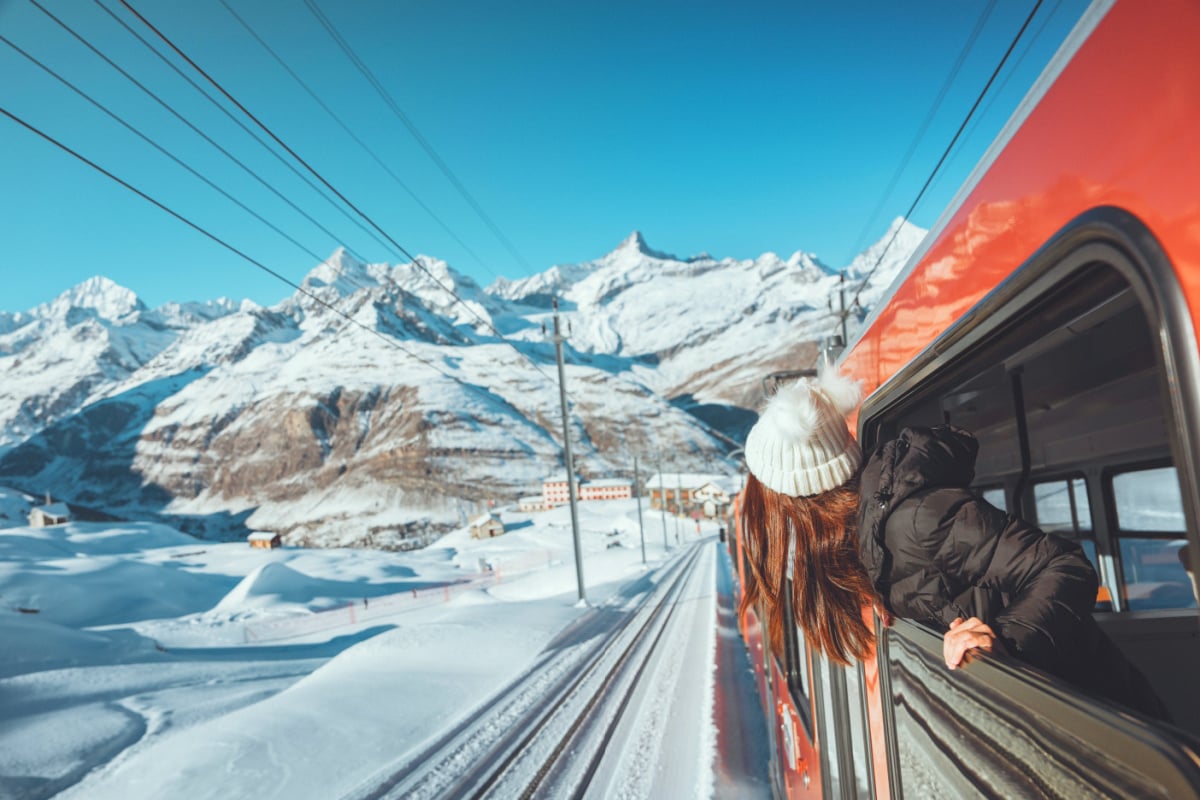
(935,551)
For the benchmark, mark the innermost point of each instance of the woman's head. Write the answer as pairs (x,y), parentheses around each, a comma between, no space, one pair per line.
(800,445)
(800,503)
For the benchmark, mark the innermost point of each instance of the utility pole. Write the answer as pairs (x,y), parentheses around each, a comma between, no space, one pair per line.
(570,462)
(842,314)
(662,503)
(678,503)
(637,484)
(842,296)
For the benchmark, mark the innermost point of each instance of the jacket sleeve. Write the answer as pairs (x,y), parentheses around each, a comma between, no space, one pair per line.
(948,547)
(1049,585)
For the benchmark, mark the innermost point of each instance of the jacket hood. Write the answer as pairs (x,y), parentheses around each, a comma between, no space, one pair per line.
(917,459)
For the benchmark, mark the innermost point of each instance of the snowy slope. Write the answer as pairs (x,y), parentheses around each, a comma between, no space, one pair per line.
(57,355)
(222,418)
(135,673)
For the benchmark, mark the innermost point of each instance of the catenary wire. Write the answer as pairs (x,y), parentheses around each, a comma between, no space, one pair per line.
(182,119)
(199,229)
(420,138)
(866,279)
(191,170)
(233,118)
(326,183)
(1004,83)
(924,127)
(194,225)
(350,132)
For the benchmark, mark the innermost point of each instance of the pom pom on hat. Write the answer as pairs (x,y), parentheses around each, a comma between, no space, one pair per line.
(800,445)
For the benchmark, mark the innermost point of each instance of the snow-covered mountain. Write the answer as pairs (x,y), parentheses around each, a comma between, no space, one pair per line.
(225,416)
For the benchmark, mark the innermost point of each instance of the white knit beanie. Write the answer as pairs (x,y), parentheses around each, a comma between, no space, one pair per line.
(800,445)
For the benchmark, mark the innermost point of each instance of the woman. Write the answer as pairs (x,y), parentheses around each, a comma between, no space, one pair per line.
(906,534)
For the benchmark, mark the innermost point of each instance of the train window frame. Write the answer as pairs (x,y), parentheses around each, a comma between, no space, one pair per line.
(1100,243)
(847,769)
(1107,236)
(829,696)
(1017,697)
(1069,478)
(857,724)
(797,662)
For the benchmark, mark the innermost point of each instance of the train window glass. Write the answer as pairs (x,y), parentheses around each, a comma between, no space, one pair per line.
(1154,574)
(995,496)
(1089,550)
(859,745)
(802,666)
(1149,500)
(829,742)
(1149,509)
(1062,506)
(796,657)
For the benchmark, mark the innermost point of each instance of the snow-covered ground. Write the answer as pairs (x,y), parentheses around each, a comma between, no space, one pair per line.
(141,662)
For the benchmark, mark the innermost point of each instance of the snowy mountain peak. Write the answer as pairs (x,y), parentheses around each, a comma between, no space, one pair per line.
(107,299)
(233,415)
(634,241)
(884,260)
(341,270)
(635,244)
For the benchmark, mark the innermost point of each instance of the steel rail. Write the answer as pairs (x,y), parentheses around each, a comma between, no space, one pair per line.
(683,570)
(518,711)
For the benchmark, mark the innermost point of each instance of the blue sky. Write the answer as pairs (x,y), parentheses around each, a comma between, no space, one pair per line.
(731,128)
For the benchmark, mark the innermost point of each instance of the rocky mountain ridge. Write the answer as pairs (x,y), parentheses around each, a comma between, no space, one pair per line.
(224,417)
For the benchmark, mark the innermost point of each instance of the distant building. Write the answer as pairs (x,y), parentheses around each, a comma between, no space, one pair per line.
(711,500)
(532,503)
(486,526)
(683,493)
(265,540)
(614,489)
(49,514)
(555,491)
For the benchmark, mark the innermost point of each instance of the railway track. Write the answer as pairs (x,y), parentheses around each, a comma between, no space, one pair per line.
(546,732)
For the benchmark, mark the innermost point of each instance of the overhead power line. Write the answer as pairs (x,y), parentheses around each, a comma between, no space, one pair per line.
(416,262)
(233,118)
(987,107)
(191,170)
(412,128)
(949,147)
(212,236)
(933,109)
(263,182)
(350,132)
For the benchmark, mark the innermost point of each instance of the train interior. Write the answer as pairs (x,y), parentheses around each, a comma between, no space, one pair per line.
(1070,402)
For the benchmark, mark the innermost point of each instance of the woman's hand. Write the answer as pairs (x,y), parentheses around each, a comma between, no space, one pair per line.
(965,636)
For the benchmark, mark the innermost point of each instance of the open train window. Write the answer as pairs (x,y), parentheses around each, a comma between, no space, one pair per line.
(1076,377)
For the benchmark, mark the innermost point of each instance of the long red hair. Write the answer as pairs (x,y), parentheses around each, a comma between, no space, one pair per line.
(829,584)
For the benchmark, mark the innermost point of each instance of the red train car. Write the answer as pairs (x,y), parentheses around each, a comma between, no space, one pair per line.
(1053,311)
